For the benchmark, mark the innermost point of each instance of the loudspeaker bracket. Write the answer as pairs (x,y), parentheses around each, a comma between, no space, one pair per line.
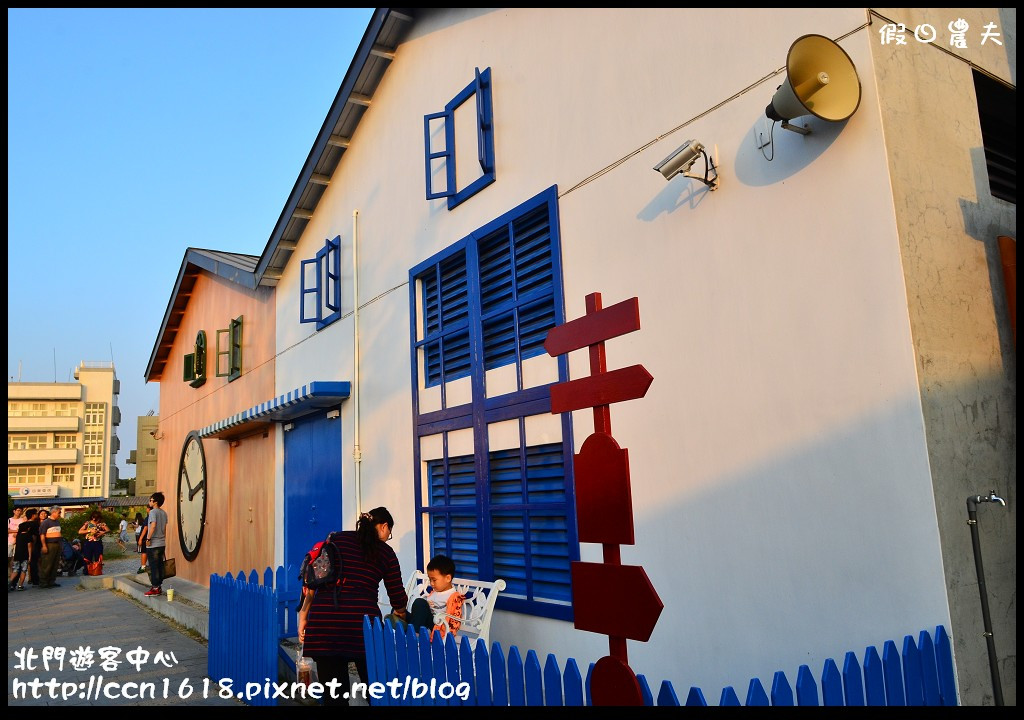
(805,130)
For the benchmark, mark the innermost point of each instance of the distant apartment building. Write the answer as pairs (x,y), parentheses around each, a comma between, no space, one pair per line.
(62,437)
(144,456)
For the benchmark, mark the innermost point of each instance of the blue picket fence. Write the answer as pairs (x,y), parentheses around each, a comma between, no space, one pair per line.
(922,674)
(247,622)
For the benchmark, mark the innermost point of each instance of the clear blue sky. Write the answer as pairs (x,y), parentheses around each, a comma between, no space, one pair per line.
(133,135)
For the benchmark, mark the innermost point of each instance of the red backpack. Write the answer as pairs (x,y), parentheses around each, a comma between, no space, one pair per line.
(321,567)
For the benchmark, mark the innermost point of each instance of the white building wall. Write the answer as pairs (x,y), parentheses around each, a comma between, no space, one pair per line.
(781,490)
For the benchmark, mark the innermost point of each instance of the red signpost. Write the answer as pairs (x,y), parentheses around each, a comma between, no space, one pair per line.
(604,506)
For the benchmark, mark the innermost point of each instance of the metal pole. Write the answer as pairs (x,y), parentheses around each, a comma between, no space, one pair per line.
(972,520)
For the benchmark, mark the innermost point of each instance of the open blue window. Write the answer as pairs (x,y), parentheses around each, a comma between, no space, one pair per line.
(320,287)
(440,157)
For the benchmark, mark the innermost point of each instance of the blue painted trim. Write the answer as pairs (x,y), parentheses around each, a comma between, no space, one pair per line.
(326,286)
(481,88)
(304,291)
(445,424)
(330,298)
(302,396)
(448,154)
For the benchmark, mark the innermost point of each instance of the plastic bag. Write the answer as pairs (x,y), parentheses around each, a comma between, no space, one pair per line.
(305,669)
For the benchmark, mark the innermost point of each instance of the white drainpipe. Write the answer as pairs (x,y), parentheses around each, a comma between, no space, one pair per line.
(357,454)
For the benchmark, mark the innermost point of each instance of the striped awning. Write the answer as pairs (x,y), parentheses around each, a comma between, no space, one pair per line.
(300,401)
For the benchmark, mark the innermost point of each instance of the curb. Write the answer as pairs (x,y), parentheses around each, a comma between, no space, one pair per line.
(190,617)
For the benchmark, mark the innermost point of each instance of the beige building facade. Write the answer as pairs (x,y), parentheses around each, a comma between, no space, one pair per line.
(144,455)
(62,437)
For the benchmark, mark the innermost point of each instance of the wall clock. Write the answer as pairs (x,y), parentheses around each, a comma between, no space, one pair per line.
(192,496)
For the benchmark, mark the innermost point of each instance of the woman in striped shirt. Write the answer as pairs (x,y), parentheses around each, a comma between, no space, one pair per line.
(331,619)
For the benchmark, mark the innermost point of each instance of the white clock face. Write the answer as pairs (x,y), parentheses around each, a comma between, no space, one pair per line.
(192,496)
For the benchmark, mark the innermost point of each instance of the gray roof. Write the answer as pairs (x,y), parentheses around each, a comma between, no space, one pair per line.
(234,267)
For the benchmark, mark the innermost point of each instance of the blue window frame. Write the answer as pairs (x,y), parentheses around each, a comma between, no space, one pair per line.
(487,302)
(320,285)
(444,158)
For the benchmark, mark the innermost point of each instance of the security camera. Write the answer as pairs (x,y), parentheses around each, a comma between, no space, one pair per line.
(681,159)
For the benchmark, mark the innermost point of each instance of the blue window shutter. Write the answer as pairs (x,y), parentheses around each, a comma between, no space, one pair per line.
(332,294)
(495,253)
(448,353)
(484,121)
(455,533)
(549,556)
(531,545)
(431,304)
(305,289)
(432,363)
(509,549)
(534,323)
(506,479)
(545,475)
(454,292)
(486,301)
(457,355)
(447,154)
(499,335)
(480,89)
(532,235)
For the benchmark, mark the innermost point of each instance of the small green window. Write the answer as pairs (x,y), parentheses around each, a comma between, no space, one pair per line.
(195,362)
(233,353)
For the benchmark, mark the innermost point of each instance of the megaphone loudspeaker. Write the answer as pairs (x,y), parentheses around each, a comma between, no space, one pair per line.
(821,80)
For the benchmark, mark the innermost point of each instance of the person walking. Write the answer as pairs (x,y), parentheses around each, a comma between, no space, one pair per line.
(49,534)
(156,543)
(33,563)
(122,533)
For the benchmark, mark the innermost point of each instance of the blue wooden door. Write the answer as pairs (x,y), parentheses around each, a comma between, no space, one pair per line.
(312,484)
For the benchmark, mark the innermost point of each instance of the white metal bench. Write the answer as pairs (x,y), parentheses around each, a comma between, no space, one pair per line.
(477,608)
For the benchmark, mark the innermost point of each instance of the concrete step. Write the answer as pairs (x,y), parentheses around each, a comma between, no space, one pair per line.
(190,606)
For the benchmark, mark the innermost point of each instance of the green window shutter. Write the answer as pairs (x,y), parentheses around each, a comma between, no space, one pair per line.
(235,352)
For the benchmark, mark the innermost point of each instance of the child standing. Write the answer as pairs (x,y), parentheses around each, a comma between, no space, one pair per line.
(442,603)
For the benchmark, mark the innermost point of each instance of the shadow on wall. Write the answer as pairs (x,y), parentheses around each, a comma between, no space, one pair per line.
(790,153)
(1007,20)
(985,221)
(754,552)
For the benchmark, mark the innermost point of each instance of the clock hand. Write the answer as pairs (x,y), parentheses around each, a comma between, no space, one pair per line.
(187,480)
(196,489)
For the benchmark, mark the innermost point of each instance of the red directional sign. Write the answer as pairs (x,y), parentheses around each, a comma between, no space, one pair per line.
(598,591)
(604,389)
(604,504)
(614,683)
(619,319)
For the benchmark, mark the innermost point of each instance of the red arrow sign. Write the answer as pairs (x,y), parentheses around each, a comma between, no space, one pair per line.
(597,590)
(604,389)
(604,504)
(595,327)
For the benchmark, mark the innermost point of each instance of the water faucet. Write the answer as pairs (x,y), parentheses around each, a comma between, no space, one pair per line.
(973,500)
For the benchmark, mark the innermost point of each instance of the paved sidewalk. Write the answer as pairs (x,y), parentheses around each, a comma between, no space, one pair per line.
(70,618)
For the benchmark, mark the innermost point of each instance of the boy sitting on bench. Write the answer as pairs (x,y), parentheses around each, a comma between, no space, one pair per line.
(442,607)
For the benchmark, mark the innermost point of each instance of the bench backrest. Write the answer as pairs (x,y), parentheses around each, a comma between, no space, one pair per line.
(477,608)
